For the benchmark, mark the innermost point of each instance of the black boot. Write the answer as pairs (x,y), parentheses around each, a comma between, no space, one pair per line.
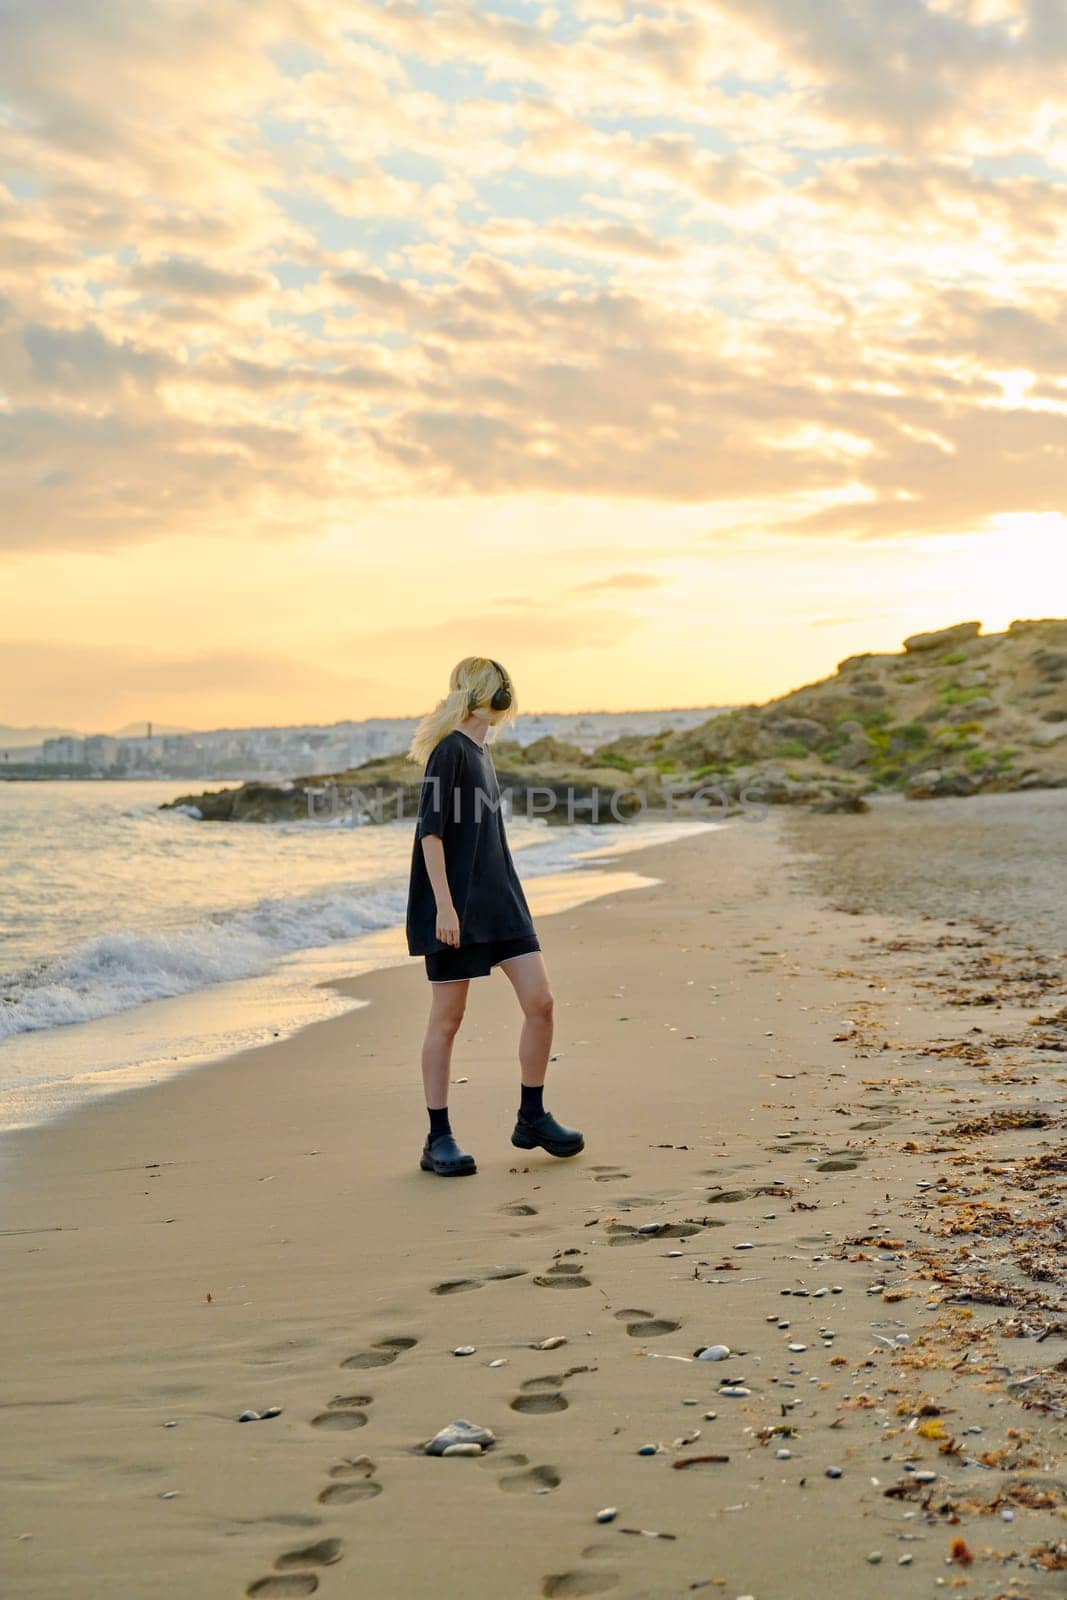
(546,1132)
(444,1156)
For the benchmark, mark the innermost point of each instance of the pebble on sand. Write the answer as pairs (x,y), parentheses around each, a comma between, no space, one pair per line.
(833,1472)
(460,1432)
(464,1350)
(249,1416)
(462,1450)
(608,1514)
(550,1344)
(735,1391)
(714,1352)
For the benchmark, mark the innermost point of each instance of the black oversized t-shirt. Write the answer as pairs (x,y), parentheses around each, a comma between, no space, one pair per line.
(460,802)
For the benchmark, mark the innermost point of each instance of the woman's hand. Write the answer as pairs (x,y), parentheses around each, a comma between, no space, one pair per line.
(448,925)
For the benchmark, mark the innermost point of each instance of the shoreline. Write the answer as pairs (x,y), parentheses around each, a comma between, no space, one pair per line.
(746,1063)
(150,1040)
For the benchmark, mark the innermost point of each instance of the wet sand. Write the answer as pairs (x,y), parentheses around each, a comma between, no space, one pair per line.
(995,856)
(795,1136)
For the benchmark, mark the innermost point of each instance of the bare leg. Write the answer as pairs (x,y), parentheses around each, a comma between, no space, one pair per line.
(447,1004)
(529,979)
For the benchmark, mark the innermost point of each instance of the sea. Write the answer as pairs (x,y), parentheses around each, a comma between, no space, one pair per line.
(136,942)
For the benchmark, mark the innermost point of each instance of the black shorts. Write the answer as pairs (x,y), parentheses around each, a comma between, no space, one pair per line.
(476,960)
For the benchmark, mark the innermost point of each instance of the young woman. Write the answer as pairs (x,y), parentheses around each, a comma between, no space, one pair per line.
(467,913)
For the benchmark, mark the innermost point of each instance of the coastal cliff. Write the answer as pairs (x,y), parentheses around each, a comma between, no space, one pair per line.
(954,712)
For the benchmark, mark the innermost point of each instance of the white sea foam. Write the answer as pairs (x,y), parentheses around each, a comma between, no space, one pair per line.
(117,970)
(105,905)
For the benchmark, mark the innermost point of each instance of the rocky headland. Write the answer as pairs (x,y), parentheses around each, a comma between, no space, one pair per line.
(955,712)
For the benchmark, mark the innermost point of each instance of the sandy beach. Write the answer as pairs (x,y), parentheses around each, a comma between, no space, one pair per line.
(817,1132)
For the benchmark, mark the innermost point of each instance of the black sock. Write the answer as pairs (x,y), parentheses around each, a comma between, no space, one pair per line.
(439,1122)
(532,1099)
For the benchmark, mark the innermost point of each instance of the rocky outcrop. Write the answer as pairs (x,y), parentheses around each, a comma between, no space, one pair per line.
(954,713)
(933,782)
(252,802)
(944,638)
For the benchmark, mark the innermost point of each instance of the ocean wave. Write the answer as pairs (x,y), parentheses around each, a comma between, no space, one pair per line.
(126,967)
(118,970)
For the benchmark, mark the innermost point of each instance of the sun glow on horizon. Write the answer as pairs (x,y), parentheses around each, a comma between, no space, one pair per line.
(669,356)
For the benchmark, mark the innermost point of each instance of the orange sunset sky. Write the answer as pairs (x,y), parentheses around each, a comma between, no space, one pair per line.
(668,352)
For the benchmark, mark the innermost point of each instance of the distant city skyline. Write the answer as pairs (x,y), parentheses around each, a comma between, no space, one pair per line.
(668,353)
(301,749)
(147,728)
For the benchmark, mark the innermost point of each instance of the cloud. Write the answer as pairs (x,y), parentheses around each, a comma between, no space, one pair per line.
(910,70)
(614,239)
(274,266)
(184,276)
(82,360)
(953,201)
(376,290)
(620,580)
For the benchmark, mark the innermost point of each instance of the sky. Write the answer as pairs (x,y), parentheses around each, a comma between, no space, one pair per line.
(668,352)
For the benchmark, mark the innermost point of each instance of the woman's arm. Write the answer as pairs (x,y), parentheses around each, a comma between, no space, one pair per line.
(433,851)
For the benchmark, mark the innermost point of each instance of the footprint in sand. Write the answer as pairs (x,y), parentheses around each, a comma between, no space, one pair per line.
(644,1325)
(842,1161)
(623,1233)
(542,1395)
(344,1494)
(539,1402)
(354,1480)
(519,1209)
(293,1583)
(608,1174)
(464,1285)
(381,1353)
(563,1275)
(343,1412)
(284,1519)
(578,1583)
(323,1553)
(535,1480)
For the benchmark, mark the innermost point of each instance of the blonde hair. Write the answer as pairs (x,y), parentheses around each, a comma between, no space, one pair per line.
(471,686)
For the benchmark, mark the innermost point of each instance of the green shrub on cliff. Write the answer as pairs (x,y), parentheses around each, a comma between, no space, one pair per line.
(951,694)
